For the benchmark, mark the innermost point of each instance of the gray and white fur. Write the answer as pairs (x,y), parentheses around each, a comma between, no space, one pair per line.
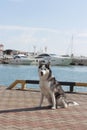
(51,89)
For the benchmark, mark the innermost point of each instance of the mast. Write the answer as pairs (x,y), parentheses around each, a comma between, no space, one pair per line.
(71,46)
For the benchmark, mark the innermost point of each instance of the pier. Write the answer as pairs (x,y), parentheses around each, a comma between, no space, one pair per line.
(19,111)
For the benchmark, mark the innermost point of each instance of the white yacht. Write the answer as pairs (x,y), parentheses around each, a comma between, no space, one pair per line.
(20,60)
(53,59)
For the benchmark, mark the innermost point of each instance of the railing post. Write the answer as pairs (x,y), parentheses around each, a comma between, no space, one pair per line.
(71,88)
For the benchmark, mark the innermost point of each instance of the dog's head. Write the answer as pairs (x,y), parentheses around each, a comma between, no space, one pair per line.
(44,70)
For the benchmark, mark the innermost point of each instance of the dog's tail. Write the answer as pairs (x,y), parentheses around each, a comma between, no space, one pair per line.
(73,103)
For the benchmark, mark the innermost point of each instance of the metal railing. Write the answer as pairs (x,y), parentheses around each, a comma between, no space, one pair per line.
(24,82)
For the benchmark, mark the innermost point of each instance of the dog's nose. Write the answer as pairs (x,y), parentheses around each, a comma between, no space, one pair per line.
(41,73)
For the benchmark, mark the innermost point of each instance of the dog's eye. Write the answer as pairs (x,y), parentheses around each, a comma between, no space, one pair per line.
(43,68)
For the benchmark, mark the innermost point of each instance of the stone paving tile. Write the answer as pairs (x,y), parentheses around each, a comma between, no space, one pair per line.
(19,111)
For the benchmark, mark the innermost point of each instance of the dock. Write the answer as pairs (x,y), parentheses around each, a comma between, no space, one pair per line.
(19,111)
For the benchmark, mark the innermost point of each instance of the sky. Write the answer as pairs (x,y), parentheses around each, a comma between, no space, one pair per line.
(58,25)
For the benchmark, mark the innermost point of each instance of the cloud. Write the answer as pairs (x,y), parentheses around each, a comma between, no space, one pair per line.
(23,38)
(57,41)
(38,29)
(7,27)
(84,34)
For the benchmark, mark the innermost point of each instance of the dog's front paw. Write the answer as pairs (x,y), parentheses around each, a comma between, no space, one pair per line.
(53,108)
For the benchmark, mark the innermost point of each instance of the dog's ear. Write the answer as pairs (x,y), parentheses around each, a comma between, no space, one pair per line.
(48,64)
(40,63)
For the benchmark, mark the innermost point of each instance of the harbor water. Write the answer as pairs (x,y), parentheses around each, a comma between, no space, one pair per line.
(10,73)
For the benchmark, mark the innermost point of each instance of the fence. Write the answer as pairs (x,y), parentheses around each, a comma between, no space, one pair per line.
(24,82)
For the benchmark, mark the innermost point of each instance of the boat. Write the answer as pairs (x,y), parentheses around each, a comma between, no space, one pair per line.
(53,59)
(19,60)
(79,60)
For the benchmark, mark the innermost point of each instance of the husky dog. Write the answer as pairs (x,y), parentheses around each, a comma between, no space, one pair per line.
(51,89)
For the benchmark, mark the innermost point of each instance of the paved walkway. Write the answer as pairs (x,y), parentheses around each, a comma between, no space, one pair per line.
(19,111)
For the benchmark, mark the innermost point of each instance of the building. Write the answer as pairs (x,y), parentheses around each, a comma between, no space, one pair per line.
(1,50)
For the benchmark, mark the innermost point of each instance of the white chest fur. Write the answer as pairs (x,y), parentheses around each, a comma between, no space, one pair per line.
(45,88)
